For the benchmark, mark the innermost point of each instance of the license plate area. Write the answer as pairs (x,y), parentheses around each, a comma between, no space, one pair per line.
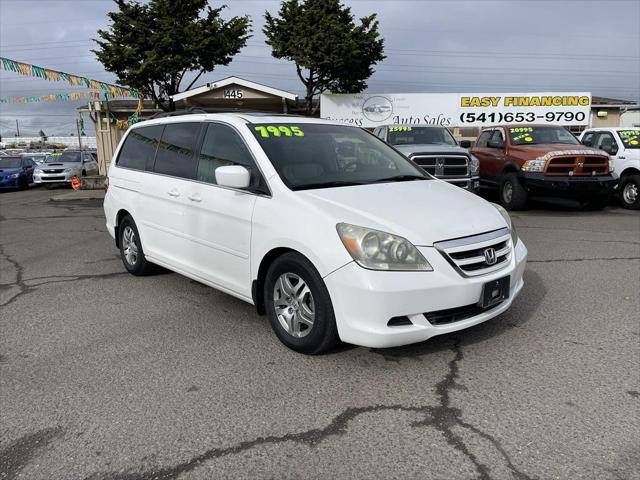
(494,292)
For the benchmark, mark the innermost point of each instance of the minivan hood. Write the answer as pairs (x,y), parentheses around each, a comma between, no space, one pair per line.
(423,212)
(430,148)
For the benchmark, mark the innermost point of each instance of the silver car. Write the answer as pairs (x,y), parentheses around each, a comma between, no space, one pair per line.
(61,168)
(435,150)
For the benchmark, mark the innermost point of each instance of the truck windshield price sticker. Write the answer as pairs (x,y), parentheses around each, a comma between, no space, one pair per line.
(272,131)
(629,137)
(520,133)
(399,129)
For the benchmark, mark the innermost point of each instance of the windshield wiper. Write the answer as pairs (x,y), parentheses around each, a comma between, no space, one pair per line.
(338,183)
(400,178)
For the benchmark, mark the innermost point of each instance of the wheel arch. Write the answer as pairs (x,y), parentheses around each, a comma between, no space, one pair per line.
(510,167)
(257,286)
(116,227)
(629,171)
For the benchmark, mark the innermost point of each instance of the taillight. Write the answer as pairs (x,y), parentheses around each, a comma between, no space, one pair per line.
(106,184)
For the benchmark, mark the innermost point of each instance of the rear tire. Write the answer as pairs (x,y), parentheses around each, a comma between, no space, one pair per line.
(630,192)
(131,250)
(299,306)
(513,196)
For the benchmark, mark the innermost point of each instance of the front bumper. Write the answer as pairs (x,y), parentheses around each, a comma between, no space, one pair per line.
(63,177)
(571,187)
(365,300)
(9,182)
(472,184)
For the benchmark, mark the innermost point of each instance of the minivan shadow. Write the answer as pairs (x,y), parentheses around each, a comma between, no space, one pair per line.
(522,310)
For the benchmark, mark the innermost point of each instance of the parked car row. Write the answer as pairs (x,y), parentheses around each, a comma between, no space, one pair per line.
(522,161)
(21,169)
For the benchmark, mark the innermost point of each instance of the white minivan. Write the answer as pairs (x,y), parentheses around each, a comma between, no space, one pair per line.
(355,244)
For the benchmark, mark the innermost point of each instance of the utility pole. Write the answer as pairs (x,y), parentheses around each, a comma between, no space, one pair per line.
(17,128)
(79,136)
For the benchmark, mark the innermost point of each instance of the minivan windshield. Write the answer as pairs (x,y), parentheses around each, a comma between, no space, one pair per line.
(308,156)
(630,138)
(538,135)
(408,135)
(66,157)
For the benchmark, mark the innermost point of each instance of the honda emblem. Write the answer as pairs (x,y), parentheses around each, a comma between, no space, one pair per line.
(490,256)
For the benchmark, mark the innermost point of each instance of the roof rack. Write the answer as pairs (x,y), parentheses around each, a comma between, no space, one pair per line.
(200,110)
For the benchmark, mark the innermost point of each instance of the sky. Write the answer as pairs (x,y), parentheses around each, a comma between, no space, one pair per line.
(431,46)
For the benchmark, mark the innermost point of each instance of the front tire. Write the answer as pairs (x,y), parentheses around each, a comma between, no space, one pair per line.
(630,192)
(131,250)
(513,196)
(299,305)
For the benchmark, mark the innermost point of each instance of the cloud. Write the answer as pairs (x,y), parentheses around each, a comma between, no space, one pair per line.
(431,46)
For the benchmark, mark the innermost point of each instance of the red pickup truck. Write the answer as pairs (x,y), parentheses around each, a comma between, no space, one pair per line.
(542,160)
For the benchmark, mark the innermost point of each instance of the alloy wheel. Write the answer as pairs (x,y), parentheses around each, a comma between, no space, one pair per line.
(294,305)
(630,193)
(129,247)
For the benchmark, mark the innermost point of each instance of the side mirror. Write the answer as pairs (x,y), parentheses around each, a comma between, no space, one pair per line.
(233,176)
(465,143)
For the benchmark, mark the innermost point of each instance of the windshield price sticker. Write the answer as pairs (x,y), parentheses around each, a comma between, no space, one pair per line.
(399,129)
(520,130)
(629,137)
(272,131)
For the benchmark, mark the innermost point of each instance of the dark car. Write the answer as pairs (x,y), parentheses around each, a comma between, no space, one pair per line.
(16,172)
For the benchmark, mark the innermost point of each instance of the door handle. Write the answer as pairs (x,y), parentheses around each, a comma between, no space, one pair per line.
(195,198)
(173,193)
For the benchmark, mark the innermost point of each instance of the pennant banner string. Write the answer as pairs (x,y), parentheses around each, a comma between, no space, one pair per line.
(76,80)
(54,97)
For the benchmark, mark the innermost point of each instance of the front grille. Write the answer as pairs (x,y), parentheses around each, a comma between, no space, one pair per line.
(478,254)
(577,166)
(57,170)
(450,315)
(443,166)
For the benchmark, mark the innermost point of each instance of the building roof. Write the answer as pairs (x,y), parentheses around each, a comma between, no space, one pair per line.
(234,81)
(595,101)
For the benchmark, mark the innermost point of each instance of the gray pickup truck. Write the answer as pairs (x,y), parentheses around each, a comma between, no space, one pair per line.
(436,151)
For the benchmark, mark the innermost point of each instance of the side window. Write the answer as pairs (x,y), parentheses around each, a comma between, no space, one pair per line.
(175,155)
(588,139)
(139,147)
(498,137)
(223,146)
(606,142)
(483,139)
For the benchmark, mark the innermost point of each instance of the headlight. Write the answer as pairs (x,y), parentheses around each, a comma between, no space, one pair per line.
(612,167)
(475,165)
(14,175)
(378,250)
(67,170)
(512,227)
(37,171)
(534,165)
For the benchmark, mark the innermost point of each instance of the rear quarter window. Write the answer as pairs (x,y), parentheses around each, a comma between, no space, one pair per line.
(175,155)
(139,147)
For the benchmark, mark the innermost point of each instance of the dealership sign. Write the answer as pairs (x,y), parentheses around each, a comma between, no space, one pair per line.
(457,109)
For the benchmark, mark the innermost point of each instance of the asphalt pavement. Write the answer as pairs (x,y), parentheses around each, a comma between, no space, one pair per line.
(108,376)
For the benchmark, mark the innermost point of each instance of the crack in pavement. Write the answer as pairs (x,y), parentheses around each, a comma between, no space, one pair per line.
(17,455)
(26,285)
(593,259)
(442,417)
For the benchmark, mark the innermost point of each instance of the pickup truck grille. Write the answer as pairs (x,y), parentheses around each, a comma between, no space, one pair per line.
(577,166)
(478,254)
(443,166)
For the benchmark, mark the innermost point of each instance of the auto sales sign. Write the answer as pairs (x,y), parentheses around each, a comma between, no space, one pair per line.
(457,109)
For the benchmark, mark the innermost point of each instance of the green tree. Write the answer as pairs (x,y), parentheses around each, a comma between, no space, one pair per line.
(152,46)
(330,51)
